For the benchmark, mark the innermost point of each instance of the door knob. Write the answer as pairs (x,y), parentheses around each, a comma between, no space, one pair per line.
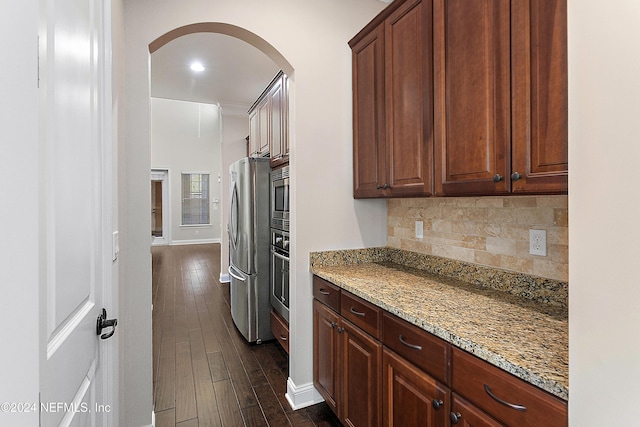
(103,322)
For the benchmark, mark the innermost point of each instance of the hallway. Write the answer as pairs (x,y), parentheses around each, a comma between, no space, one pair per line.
(204,372)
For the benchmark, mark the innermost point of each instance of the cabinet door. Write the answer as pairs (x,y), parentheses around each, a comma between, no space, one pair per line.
(360,356)
(368,115)
(540,106)
(472,96)
(276,132)
(503,396)
(285,116)
(264,116)
(325,353)
(408,102)
(254,132)
(465,414)
(410,396)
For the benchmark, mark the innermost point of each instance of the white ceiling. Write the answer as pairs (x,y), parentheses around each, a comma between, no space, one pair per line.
(235,72)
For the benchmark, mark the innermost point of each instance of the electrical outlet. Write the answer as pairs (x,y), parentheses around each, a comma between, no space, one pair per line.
(538,242)
(419,230)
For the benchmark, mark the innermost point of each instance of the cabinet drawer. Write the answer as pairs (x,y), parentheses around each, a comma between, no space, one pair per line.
(426,351)
(280,330)
(327,293)
(361,313)
(504,396)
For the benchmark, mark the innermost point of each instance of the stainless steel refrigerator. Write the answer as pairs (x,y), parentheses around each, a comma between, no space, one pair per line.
(249,241)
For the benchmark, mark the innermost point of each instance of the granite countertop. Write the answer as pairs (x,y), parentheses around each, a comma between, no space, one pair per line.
(520,327)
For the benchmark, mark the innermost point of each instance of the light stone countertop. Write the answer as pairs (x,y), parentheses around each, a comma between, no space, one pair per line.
(522,336)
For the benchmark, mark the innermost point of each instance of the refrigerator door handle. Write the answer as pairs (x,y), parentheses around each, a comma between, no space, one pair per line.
(232,225)
(242,279)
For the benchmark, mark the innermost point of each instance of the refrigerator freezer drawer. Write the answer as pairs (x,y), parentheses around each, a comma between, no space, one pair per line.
(249,310)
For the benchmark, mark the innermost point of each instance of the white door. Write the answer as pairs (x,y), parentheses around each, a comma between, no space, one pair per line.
(75,389)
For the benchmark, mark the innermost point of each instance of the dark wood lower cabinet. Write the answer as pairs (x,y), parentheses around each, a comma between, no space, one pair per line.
(360,355)
(280,330)
(346,364)
(410,396)
(410,377)
(465,414)
(325,353)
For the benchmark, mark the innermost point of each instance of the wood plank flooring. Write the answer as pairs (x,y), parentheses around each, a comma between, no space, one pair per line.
(204,372)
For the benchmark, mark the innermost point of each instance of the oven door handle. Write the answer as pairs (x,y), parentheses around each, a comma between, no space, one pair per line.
(277,255)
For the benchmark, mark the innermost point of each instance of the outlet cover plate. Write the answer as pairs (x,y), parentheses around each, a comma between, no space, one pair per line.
(538,242)
(419,230)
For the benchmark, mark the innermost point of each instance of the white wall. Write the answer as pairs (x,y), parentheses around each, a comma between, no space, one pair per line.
(185,137)
(604,209)
(235,128)
(312,36)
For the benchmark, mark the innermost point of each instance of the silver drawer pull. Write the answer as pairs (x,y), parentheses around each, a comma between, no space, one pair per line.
(413,346)
(323,292)
(505,403)
(357,313)
(283,338)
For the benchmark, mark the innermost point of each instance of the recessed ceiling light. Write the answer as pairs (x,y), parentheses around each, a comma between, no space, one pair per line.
(197,67)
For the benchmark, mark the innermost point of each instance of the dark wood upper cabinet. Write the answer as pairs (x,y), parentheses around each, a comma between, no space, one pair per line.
(500,96)
(269,123)
(472,96)
(279,135)
(369,158)
(408,90)
(539,99)
(392,89)
(461,97)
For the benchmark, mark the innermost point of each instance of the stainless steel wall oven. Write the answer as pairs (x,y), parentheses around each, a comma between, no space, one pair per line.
(280,272)
(280,241)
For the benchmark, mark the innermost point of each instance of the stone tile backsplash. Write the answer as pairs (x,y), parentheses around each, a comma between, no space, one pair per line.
(492,231)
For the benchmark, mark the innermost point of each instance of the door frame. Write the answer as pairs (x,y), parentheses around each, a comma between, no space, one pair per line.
(162,174)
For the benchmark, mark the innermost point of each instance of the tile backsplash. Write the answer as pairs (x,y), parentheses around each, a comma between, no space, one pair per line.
(492,231)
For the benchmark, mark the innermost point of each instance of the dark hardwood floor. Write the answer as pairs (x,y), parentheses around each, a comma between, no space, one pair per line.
(204,372)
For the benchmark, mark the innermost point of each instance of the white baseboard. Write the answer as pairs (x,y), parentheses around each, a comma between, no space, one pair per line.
(224,278)
(194,242)
(302,396)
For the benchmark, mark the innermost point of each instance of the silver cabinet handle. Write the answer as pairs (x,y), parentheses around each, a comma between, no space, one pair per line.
(357,313)
(503,402)
(242,279)
(283,338)
(323,292)
(413,346)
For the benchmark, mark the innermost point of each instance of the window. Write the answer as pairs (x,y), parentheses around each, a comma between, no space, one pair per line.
(195,199)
